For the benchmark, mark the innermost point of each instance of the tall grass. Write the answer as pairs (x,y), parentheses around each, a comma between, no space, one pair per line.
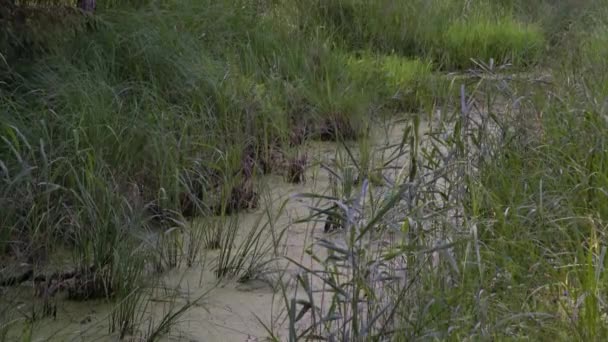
(117,129)
(491,231)
(503,41)
(103,136)
(448,32)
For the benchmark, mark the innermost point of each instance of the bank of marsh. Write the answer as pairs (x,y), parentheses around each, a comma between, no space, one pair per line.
(163,158)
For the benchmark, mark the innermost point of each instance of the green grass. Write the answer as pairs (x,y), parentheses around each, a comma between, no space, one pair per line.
(129,123)
(504,41)
(403,83)
(449,33)
(587,59)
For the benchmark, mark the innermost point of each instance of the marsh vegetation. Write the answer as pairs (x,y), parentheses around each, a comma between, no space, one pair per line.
(340,170)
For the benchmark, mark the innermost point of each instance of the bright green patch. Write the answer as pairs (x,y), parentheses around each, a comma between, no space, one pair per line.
(504,41)
(397,80)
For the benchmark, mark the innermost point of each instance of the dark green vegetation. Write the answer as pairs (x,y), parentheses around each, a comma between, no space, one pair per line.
(148,113)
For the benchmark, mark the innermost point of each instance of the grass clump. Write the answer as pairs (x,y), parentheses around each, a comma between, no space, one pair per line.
(400,83)
(504,41)
(449,33)
(408,81)
(406,28)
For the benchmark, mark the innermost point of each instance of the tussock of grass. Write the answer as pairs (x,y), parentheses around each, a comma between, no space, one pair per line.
(504,41)
(401,82)
(448,32)
(403,27)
